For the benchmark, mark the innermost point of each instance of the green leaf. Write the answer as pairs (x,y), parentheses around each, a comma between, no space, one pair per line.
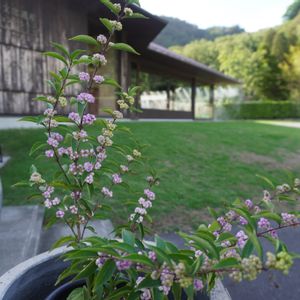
(136,2)
(177,291)
(37,146)
(271,216)
(110,6)
(106,22)
(128,237)
(204,245)
(21,184)
(112,82)
(86,39)
(267,180)
(212,212)
(157,294)
(105,273)
(124,47)
(30,119)
(62,241)
(148,282)
(248,249)
(257,245)
(61,48)
(76,53)
(87,271)
(244,213)
(161,255)
(120,293)
(227,263)
(77,294)
(57,56)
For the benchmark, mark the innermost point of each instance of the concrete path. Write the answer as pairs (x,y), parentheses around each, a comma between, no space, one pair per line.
(291,124)
(20,227)
(22,235)
(14,123)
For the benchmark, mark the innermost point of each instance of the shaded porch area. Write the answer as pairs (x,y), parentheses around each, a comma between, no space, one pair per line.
(170,83)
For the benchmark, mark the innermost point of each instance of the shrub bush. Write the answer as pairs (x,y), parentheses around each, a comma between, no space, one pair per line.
(259,110)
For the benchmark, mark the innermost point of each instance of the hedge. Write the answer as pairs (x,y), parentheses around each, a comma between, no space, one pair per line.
(259,110)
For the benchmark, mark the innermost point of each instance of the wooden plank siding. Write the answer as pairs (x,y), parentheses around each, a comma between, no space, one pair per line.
(27,28)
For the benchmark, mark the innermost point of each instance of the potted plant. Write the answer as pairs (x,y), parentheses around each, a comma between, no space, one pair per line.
(127,266)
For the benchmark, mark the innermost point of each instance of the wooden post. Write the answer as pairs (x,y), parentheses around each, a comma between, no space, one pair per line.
(193,98)
(212,99)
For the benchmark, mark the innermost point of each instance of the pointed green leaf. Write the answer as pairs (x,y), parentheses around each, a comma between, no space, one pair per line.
(86,39)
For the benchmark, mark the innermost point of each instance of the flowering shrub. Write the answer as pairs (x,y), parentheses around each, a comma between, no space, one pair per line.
(127,267)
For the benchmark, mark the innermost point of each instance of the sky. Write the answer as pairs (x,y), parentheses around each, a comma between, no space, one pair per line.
(251,15)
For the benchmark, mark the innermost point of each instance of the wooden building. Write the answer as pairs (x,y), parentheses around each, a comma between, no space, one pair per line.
(27,27)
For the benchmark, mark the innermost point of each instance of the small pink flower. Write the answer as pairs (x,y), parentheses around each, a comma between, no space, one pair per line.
(90,178)
(84,76)
(56,201)
(88,166)
(49,153)
(150,195)
(48,203)
(116,178)
(124,168)
(98,79)
(86,97)
(106,192)
(73,209)
(60,214)
(198,285)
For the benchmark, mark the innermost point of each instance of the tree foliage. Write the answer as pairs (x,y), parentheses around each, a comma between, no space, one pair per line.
(178,32)
(292,10)
(266,61)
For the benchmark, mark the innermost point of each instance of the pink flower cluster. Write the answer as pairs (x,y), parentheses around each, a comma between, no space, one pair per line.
(90,178)
(49,153)
(83,76)
(116,179)
(106,192)
(98,79)
(54,139)
(150,195)
(242,239)
(86,97)
(289,219)
(88,119)
(49,203)
(141,211)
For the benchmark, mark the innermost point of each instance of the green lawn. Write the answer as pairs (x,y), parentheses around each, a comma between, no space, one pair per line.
(200,165)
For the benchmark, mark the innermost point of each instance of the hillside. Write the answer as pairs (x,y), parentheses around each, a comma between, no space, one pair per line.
(179,32)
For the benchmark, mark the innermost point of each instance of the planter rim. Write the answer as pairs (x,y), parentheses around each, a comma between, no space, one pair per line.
(8,278)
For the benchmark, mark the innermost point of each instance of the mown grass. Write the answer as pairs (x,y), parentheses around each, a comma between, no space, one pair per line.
(200,165)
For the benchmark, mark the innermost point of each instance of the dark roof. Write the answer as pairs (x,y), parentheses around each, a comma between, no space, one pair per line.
(141,32)
(200,71)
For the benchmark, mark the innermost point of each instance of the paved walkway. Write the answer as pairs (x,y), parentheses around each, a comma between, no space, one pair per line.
(14,123)
(291,124)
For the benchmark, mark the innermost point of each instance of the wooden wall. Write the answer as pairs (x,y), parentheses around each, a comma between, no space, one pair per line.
(26,29)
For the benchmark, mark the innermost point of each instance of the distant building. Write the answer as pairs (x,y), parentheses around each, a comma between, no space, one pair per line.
(28,27)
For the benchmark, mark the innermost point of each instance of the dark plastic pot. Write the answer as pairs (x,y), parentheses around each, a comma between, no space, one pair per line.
(63,291)
(35,280)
